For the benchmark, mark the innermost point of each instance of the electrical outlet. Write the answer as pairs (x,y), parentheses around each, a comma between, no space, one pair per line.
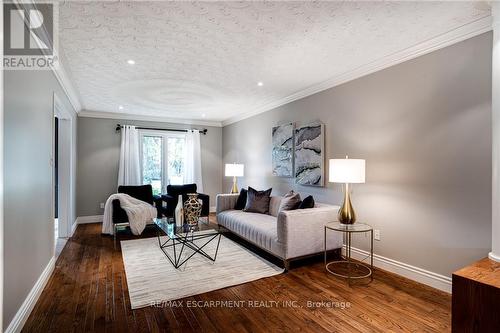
(376,234)
(102,205)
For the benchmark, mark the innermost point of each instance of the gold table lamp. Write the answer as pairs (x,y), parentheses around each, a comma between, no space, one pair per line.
(347,171)
(234,170)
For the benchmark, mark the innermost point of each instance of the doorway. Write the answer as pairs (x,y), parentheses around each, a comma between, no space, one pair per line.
(63,175)
(56,177)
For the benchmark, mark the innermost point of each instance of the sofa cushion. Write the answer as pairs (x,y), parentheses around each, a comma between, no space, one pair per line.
(258,201)
(290,201)
(274,206)
(308,202)
(259,229)
(242,199)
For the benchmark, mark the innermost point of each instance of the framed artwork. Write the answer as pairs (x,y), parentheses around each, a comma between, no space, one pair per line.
(282,141)
(309,160)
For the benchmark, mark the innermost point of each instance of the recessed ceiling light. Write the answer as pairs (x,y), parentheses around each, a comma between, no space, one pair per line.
(203,115)
(131,62)
(120,107)
(260,84)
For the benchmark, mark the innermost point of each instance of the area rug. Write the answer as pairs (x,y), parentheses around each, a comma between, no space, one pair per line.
(152,279)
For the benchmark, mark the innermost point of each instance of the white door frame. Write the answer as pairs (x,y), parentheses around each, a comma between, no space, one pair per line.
(1,185)
(65,167)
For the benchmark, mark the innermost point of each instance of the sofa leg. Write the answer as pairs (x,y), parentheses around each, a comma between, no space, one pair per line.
(286,263)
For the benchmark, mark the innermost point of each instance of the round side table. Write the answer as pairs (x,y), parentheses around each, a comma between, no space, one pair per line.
(347,230)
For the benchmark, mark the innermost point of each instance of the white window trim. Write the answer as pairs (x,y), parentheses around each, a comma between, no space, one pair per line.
(164,152)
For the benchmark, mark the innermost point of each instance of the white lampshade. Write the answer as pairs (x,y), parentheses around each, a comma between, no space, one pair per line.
(234,170)
(347,170)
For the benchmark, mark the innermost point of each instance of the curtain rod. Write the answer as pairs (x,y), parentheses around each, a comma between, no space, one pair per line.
(202,131)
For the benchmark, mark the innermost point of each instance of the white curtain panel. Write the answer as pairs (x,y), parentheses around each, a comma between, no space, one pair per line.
(192,171)
(129,172)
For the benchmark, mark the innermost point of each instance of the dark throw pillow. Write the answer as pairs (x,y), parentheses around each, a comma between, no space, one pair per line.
(308,202)
(258,201)
(242,199)
(290,201)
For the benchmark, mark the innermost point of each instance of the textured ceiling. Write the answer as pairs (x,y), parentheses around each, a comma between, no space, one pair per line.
(202,60)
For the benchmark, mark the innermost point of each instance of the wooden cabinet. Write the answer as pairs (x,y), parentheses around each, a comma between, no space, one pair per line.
(476,298)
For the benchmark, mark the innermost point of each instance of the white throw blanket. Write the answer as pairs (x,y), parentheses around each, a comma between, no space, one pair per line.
(139,213)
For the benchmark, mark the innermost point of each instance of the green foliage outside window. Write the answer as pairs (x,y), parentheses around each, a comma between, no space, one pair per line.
(152,155)
(151,162)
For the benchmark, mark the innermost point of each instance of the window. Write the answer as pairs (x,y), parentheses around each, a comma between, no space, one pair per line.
(162,155)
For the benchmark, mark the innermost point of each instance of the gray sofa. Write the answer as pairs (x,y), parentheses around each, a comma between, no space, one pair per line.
(288,235)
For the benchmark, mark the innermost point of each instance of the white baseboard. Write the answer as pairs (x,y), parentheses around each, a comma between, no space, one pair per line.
(73,228)
(421,275)
(89,219)
(99,218)
(24,311)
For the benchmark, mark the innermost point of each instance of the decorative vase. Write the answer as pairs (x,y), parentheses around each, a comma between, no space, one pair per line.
(192,209)
(179,212)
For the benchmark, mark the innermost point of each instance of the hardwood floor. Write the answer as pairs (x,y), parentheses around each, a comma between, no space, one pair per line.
(88,292)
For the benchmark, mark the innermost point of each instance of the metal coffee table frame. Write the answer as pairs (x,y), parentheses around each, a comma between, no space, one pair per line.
(187,239)
(347,231)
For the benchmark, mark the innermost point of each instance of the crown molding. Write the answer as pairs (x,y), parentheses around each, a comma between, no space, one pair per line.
(59,71)
(454,36)
(67,86)
(129,116)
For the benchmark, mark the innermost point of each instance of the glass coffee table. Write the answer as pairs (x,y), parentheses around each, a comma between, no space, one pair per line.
(187,240)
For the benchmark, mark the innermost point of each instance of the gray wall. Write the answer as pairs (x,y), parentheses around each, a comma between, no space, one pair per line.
(424,129)
(29,220)
(98,156)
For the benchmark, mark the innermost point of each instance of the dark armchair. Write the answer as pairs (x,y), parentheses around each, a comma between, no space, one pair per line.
(172,196)
(142,192)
